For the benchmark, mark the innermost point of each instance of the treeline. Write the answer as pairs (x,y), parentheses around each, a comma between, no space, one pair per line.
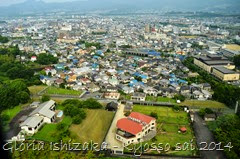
(223,92)
(13,93)
(13,69)
(236,60)
(3,39)
(46,59)
(76,108)
(226,130)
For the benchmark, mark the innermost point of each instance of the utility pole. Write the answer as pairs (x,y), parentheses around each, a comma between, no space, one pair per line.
(236,108)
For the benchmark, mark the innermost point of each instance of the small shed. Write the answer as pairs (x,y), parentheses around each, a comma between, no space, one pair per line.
(35,104)
(112,106)
(209,117)
(183,129)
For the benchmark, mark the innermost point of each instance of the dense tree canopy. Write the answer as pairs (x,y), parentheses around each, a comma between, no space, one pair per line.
(3,39)
(75,108)
(97,45)
(13,93)
(226,130)
(236,60)
(46,59)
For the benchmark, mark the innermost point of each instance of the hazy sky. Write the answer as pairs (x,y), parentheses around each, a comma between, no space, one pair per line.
(9,2)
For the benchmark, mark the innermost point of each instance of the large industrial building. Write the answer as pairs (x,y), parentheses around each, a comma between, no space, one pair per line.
(218,66)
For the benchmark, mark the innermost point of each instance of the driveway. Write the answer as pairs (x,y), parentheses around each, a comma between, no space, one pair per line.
(114,144)
(14,128)
(203,134)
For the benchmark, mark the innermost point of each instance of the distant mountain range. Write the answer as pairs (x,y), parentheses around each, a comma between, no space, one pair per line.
(38,6)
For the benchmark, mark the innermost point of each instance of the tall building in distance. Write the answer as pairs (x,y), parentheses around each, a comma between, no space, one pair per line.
(147,28)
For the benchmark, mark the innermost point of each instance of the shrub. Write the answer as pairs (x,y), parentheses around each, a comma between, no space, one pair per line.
(77,119)
(176,107)
(45,98)
(154,115)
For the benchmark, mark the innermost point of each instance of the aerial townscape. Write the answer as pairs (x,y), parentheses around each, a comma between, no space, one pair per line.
(136,83)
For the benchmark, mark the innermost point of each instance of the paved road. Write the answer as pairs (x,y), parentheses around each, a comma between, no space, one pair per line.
(110,139)
(203,134)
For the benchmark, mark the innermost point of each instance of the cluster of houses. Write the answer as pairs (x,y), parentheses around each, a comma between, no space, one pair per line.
(113,75)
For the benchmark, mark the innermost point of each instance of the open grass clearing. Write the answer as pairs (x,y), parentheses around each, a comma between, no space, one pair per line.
(61,91)
(49,132)
(94,127)
(233,47)
(203,104)
(35,89)
(168,124)
(160,99)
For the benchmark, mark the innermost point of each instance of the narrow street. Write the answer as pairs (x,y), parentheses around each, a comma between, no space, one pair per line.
(203,134)
(113,144)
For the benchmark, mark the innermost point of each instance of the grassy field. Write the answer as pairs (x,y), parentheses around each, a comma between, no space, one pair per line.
(160,99)
(234,47)
(168,124)
(35,89)
(94,127)
(12,113)
(61,91)
(203,104)
(49,132)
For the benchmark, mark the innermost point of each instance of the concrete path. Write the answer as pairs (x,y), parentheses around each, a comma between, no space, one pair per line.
(203,134)
(113,144)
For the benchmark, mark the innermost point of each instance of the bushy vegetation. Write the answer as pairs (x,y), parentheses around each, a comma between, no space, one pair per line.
(45,98)
(204,111)
(13,93)
(46,59)
(10,68)
(75,108)
(236,60)
(3,39)
(226,130)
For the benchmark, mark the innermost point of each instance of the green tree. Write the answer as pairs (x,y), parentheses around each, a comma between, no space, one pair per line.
(46,59)
(154,115)
(236,60)
(3,39)
(45,98)
(92,104)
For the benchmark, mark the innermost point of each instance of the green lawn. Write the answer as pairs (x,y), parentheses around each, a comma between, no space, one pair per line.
(168,124)
(203,104)
(49,132)
(160,99)
(12,113)
(94,127)
(35,89)
(61,91)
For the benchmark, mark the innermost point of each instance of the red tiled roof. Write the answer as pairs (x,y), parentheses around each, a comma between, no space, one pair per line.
(129,126)
(142,117)
(183,129)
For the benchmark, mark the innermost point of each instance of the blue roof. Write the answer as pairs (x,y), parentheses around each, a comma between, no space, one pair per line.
(153,53)
(120,71)
(140,75)
(94,65)
(96,57)
(182,81)
(99,52)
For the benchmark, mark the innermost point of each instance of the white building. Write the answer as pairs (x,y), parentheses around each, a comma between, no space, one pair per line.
(133,128)
(42,114)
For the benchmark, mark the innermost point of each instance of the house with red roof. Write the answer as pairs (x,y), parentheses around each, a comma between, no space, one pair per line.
(134,128)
